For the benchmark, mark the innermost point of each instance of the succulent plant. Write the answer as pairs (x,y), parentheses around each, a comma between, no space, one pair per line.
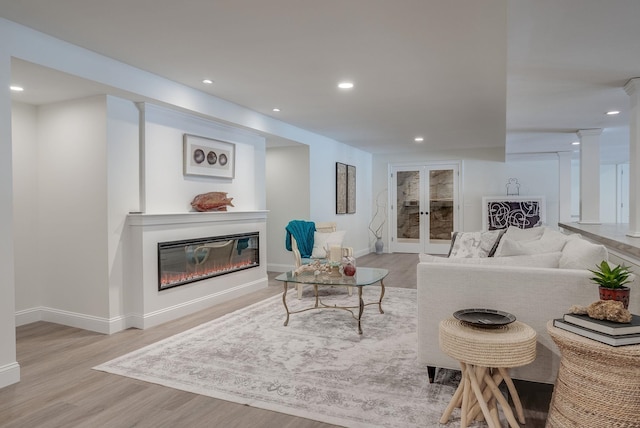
(607,277)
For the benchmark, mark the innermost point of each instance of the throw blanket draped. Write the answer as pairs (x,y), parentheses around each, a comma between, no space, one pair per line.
(302,231)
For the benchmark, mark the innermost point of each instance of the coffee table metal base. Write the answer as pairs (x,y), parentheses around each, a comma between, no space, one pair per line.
(320,305)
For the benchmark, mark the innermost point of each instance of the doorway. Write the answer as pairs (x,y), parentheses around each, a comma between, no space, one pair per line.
(425,207)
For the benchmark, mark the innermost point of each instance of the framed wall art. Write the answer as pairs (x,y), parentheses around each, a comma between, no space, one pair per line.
(351,189)
(341,188)
(208,157)
(523,212)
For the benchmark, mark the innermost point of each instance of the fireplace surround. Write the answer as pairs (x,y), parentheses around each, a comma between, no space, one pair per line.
(189,260)
(147,306)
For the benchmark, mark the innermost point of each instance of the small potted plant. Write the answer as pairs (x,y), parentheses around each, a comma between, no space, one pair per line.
(612,282)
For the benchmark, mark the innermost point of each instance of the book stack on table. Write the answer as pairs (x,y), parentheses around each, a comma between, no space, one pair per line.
(609,332)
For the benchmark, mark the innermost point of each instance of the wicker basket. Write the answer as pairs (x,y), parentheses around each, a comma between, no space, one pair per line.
(598,385)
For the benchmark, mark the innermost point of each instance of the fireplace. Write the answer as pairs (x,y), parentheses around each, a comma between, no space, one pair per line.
(186,261)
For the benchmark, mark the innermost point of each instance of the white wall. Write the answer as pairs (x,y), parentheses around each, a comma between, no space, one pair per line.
(613,192)
(72,196)
(608,193)
(26,206)
(308,174)
(485,174)
(288,198)
(168,190)
(324,156)
(486,178)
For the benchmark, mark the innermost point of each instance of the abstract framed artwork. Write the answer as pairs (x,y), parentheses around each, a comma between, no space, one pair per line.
(351,189)
(341,188)
(523,212)
(208,157)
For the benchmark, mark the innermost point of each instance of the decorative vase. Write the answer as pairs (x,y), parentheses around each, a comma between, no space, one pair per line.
(618,294)
(379,246)
(348,265)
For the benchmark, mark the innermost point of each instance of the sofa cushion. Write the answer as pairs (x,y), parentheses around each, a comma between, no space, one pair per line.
(322,241)
(550,241)
(544,260)
(474,244)
(516,234)
(582,254)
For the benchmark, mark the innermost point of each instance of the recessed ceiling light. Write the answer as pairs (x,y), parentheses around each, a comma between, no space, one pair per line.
(207,81)
(16,88)
(613,112)
(575,143)
(418,139)
(345,85)
(276,109)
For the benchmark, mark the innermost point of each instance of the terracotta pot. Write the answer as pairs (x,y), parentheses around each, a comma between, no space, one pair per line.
(619,294)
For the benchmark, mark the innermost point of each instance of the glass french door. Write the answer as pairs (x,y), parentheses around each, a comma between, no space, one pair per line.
(424,210)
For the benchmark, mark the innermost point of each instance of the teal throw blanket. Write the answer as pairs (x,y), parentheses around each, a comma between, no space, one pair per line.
(302,231)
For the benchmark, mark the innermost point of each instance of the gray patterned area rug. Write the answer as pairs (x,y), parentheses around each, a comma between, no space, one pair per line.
(318,367)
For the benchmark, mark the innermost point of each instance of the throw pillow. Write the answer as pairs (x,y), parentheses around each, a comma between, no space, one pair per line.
(516,234)
(475,244)
(322,241)
(546,260)
(551,241)
(582,254)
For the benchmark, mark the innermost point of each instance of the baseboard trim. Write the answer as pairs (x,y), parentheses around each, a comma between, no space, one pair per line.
(9,374)
(280,267)
(71,319)
(141,321)
(28,316)
(152,319)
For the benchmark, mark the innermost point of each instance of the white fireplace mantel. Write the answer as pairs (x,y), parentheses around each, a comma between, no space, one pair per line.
(148,306)
(144,219)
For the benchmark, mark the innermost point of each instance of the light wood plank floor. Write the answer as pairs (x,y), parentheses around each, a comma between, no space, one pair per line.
(58,388)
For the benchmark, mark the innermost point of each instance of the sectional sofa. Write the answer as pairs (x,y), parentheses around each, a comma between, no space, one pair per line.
(535,275)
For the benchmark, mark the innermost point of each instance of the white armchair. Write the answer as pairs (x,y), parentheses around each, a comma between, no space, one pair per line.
(321,227)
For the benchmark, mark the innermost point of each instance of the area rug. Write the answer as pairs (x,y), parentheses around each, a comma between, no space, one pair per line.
(317,367)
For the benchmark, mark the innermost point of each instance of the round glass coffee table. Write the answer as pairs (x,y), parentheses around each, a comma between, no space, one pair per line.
(364,277)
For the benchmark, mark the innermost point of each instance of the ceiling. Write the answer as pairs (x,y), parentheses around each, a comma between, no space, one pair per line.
(523,75)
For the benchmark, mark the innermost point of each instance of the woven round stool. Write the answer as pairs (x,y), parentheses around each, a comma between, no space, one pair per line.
(485,354)
(598,385)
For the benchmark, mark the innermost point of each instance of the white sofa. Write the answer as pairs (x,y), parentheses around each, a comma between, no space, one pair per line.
(526,280)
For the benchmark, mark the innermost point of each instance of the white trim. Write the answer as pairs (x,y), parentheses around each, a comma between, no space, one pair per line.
(170,313)
(28,316)
(71,319)
(280,267)
(135,219)
(9,374)
(116,324)
(423,166)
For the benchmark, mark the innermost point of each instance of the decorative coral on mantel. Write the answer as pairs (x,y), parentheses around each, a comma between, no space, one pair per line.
(212,201)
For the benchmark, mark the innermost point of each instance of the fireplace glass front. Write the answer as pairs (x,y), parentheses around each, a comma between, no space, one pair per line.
(182,262)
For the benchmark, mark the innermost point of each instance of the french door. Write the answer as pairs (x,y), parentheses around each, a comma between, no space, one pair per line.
(424,208)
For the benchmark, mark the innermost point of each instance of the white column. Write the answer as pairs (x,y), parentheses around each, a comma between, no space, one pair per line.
(564,188)
(589,176)
(633,90)
(9,367)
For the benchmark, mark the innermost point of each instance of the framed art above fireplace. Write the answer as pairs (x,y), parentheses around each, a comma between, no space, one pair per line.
(208,157)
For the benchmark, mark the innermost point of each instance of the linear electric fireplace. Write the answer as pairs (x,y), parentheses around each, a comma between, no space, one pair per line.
(182,262)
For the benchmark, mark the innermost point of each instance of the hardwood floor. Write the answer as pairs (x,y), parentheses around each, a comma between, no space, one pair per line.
(58,388)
